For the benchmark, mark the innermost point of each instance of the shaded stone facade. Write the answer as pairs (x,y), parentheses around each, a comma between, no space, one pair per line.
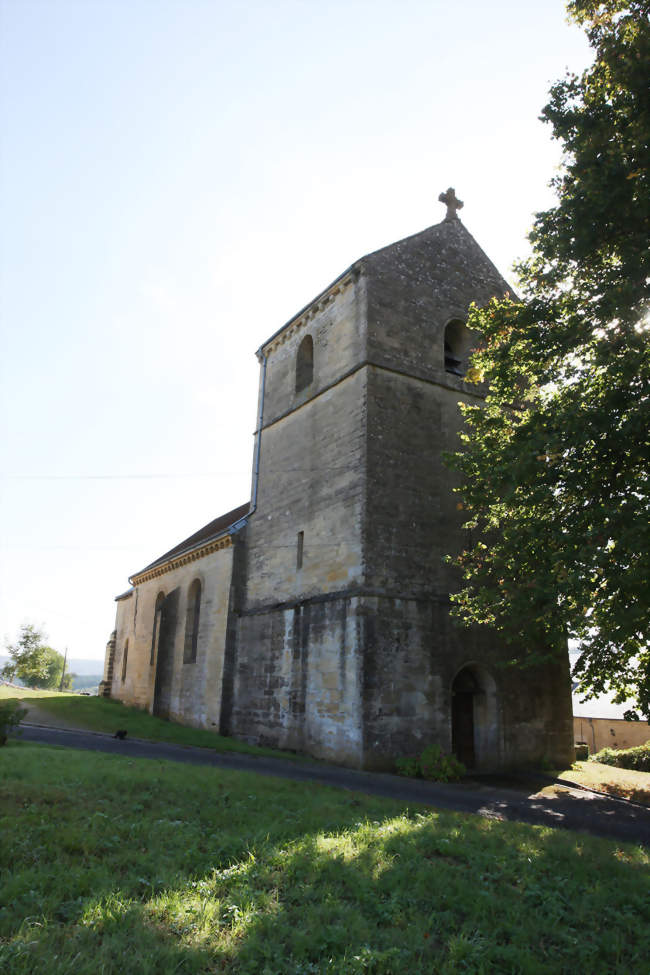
(324,619)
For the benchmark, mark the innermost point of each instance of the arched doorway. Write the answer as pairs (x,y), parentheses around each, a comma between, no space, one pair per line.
(475,722)
(463,692)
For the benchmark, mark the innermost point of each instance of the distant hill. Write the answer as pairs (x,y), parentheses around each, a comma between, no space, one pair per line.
(91,667)
(85,682)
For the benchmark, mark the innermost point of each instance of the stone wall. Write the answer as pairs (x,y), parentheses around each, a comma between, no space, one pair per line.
(610,733)
(413,653)
(415,288)
(413,649)
(336,323)
(295,673)
(187,692)
(298,679)
(311,481)
(133,688)
(412,513)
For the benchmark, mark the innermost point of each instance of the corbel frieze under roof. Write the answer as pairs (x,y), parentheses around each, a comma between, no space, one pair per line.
(303,318)
(183,559)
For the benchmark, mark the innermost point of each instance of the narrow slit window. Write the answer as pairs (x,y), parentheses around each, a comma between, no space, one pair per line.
(299,549)
(125,656)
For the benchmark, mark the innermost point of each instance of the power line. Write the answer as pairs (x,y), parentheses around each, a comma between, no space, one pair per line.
(171,477)
(114,477)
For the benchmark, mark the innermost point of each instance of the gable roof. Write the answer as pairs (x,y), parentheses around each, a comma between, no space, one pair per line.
(208,533)
(431,239)
(447,245)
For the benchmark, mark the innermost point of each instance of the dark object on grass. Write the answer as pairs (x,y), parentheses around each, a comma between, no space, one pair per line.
(120,733)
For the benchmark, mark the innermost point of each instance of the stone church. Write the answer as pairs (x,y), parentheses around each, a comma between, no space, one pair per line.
(316,616)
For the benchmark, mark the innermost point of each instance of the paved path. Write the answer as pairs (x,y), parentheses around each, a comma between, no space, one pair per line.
(572,808)
(39,716)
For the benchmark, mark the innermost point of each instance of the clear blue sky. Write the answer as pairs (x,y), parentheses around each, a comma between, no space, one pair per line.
(177,178)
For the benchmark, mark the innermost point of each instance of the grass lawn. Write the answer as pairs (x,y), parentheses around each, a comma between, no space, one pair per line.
(113,865)
(104,714)
(622,782)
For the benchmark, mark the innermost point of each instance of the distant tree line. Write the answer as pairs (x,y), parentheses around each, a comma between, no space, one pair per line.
(34,663)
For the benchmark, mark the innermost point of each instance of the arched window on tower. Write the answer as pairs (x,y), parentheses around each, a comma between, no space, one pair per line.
(192,622)
(125,656)
(305,364)
(157,620)
(457,347)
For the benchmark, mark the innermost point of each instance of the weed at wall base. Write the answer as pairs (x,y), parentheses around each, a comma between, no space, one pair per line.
(433,764)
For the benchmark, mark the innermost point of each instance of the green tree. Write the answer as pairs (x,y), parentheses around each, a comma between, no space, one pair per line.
(32,661)
(555,470)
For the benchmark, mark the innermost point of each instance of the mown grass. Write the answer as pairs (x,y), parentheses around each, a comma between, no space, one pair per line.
(104,714)
(624,783)
(112,865)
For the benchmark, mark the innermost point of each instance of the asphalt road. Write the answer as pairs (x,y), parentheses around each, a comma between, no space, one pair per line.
(572,809)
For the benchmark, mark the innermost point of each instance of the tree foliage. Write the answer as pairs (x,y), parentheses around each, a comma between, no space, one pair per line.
(32,661)
(555,468)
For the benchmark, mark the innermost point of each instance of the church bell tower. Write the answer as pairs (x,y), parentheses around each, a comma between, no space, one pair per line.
(345,645)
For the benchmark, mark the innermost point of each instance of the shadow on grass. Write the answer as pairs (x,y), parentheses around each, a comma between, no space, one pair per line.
(124,866)
(532,783)
(525,782)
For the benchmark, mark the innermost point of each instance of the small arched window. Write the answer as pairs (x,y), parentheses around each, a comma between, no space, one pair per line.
(305,364)
(125,655)
(457,343)
(192,622)
(157,620)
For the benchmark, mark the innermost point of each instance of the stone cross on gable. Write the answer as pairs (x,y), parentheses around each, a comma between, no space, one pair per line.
(452,202)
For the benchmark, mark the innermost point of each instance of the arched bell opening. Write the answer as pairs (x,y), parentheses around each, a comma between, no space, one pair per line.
(475,720)
(457,347)
(305,364)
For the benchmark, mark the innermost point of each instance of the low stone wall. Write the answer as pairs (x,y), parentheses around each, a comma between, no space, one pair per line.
(610,733)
